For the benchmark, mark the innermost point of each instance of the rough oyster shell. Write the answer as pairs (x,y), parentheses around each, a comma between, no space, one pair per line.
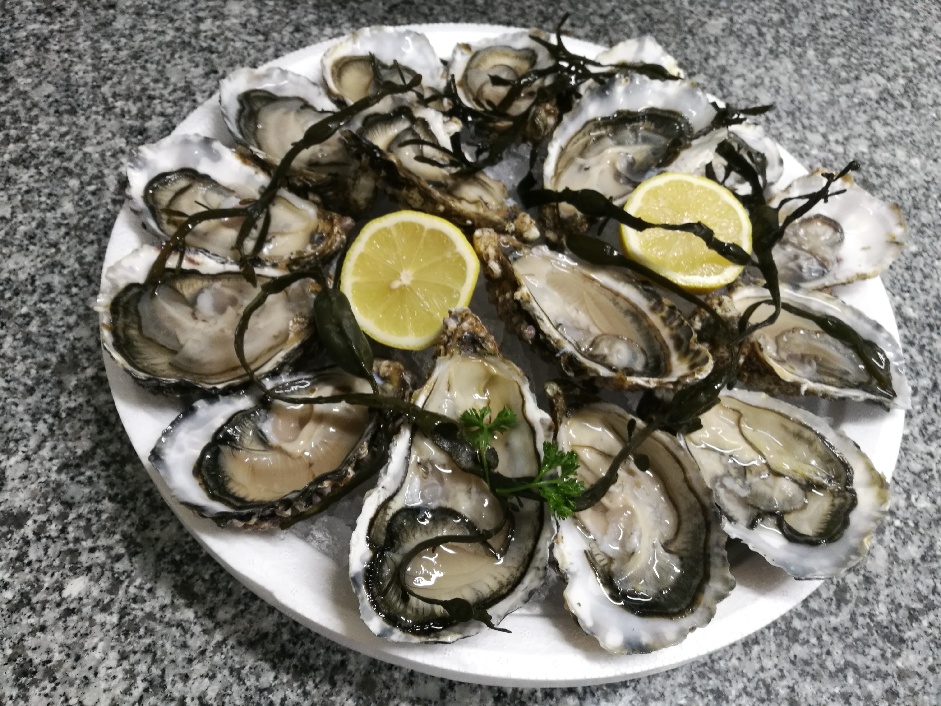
(181,175)
(182,334)
(250,461)
(415,525)
(646,564)
(597,322)
(849,236)
(796,490)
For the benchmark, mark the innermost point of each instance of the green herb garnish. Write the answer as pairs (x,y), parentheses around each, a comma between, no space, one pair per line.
(480,430)
(555,482)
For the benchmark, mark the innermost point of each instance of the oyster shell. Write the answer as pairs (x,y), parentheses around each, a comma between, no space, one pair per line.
(850,236)
(181,334)
(411,148)
(624,131)
(356,65)
(640,50)
(182,175)
(268,110)
(431,535)
(597,322)
(647,563)
(793,488)
(508,58)
(795,356)
(251,461)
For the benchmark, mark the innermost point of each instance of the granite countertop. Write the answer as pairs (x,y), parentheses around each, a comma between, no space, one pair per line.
(105,596)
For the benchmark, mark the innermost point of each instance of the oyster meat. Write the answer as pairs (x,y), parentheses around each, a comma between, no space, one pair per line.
(355,66)
(246,459)
(435,555)
(646,564)
(411,147)
(485,75)
(597,322)
(624,131)
(793,488)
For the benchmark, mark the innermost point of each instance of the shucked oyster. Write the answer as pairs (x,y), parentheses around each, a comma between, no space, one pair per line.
(411,147)
(851,235)
(486,73)
(646,564)
(435,553)
(793,488)
(356,65)
(181,333)
(795,355)
(269,110)
(183,175)
(598,322)
(622,132)
(248,460)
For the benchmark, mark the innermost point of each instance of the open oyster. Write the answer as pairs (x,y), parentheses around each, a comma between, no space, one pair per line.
(183,175)
(646,564)
(623,131)
(181,333)
(485,75)
(793,488)
(249,460)
(597,322)
(356,65)
(797,355)
(435,554)
(411,148)
(851,235)
(269,110)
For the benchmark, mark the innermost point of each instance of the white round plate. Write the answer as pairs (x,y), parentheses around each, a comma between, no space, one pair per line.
(313,588)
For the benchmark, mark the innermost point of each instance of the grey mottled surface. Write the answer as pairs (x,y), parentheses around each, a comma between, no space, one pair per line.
(107,599)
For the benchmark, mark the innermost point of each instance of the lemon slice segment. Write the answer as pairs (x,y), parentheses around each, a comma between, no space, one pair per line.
(683,258)
(403,273)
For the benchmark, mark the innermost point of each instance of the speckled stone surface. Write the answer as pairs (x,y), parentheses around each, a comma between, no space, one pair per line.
(105,596)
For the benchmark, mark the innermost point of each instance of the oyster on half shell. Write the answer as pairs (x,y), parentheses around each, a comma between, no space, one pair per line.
(435,554)
(852,235)
(411,148)
(269,110)
(646,564)
(249,460)
(183,175)
(796,356)
(181,333)
(597,322)
(793,488)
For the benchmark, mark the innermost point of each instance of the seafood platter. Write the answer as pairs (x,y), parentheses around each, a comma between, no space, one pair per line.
(727,451)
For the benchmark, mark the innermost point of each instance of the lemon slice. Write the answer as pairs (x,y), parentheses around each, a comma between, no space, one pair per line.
(681,257)
(403,273)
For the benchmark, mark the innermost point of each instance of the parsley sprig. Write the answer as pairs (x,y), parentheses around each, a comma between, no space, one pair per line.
(480,430)
(555,483)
